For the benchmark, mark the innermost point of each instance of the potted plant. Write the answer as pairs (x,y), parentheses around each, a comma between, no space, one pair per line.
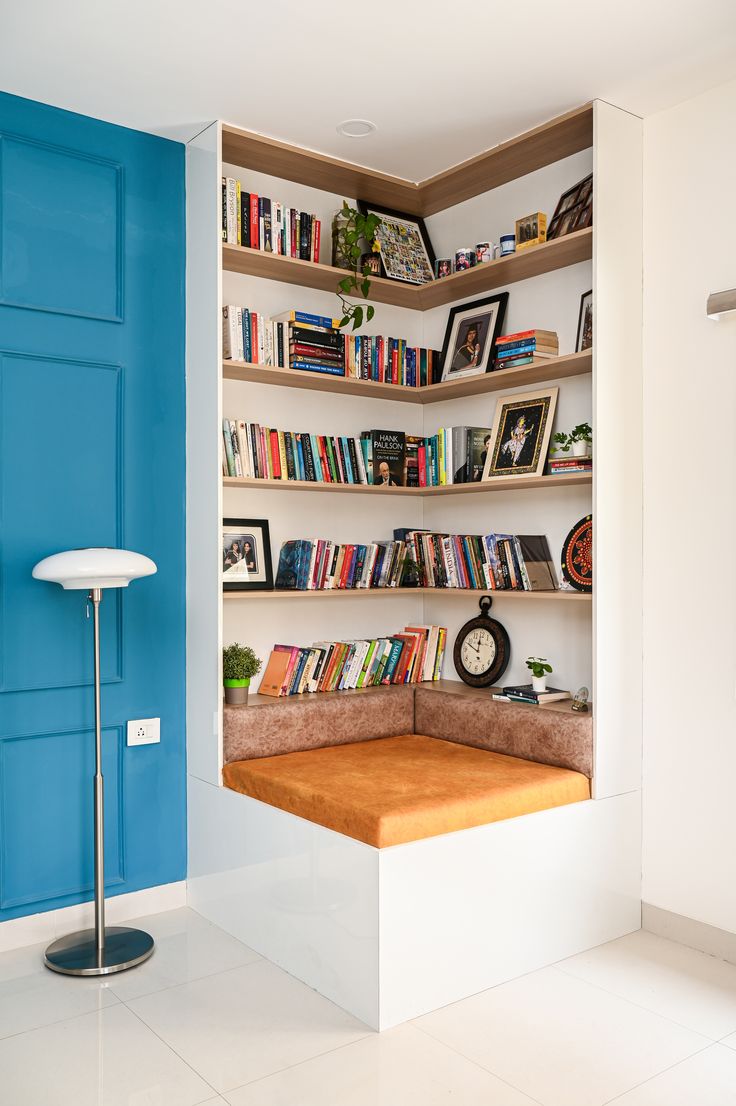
(579,440)
(239,665)
(539,668)
(350,229)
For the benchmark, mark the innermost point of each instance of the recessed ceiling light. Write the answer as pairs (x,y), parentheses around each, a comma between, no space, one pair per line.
(356,128)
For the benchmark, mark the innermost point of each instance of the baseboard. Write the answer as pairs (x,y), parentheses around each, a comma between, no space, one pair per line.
(688,931)
(18,932)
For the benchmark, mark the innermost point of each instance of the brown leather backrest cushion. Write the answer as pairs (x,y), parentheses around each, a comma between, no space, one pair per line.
(317,721)
(532,733)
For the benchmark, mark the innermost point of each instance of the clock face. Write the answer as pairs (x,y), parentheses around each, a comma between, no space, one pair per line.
(478,651)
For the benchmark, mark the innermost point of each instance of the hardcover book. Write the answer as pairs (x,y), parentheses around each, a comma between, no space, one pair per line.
(388,451)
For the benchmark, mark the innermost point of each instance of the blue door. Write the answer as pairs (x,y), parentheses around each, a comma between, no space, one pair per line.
(91,453)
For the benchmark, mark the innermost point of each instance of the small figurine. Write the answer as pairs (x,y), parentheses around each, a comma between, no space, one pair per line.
(580,702)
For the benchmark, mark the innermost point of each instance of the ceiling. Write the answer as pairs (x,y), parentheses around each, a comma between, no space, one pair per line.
(441,81)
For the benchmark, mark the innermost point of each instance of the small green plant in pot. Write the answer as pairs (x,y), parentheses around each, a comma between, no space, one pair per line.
(539,668)
(351,230)
(579,440)
(239,665)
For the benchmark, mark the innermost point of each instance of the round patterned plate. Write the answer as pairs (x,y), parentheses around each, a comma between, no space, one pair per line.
(577,555)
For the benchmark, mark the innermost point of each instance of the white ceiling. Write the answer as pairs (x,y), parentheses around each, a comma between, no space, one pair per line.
(442,79)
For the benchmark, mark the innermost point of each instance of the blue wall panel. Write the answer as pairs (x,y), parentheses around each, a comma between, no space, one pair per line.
(91,453)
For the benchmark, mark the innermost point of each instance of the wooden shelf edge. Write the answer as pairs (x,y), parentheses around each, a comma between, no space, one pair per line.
(555,368)
(359,593)
(546,258)
(502,484)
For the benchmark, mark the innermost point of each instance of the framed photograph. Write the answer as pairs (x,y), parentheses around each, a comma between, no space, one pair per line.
(470,336)
(574,209)
(521,432)
(585,322)
(246,555)
(406,251)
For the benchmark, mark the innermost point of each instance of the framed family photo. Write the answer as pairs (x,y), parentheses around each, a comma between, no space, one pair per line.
(470,337)
(246,555)
(574,209)
(521,431)
(406,251)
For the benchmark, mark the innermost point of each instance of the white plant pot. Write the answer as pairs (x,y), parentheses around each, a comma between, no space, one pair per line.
(539,684)
(580,449)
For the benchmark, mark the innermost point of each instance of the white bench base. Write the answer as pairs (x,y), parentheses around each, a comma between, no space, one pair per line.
(389,934)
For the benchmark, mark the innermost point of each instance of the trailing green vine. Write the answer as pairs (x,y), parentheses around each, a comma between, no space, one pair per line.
(356,229)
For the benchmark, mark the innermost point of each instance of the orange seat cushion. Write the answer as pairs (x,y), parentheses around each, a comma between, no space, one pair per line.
(398,789)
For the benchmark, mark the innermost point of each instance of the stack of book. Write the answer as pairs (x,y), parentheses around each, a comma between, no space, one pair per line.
(313,343)
(569,465)
(411,656)
(264,224)
(526,347)
(261,453)
(323,565)
(503,562)
(525,693)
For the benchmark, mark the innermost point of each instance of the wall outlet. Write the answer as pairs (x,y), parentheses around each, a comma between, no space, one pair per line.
(144,731)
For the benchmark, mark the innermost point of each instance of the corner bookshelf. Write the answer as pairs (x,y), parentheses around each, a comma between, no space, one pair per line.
(594,639)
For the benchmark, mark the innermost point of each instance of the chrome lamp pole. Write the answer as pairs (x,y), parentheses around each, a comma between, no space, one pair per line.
(104,949)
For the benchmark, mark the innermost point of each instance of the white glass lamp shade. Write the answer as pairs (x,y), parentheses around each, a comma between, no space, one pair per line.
(84,569)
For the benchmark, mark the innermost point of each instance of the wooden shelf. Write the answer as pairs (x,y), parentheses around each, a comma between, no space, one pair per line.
(556,368)
(547,258)
(558,138)
(501,484)
(452,687)
(450,593)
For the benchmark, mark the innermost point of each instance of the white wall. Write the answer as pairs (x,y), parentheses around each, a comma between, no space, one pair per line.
(689,511)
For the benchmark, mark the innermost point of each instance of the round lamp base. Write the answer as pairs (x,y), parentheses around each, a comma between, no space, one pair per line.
(77,954)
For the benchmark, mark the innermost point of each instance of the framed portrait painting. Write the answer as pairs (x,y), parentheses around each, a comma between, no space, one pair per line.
(406,251)
(521,431)
(585,323)
(245,548)
(471,335)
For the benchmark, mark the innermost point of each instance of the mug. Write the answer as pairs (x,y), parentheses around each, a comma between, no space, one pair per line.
(464,259)
(483,252)
(508,244)
(443,267)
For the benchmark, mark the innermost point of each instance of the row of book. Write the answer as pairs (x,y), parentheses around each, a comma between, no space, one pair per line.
(411,656)
(323,565)
(496,562)
(525,347)
(386,458)
(264,224)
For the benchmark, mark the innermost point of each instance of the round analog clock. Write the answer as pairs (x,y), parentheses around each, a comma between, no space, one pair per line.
(482,649)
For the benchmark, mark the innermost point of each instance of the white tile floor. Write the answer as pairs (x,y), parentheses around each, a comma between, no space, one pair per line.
(640,1022)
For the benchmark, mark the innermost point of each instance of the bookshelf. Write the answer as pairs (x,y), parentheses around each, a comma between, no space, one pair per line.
(556,368)
(512,484)
(592,638)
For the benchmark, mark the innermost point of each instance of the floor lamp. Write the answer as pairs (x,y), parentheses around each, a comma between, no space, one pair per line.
(102,950)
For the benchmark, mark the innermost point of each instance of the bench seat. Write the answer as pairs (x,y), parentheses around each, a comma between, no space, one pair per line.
(392,790)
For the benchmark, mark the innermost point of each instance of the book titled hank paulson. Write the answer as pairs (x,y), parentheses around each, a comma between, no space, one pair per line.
(388,450)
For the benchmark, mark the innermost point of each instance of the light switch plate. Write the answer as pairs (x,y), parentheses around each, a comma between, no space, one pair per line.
(144,731)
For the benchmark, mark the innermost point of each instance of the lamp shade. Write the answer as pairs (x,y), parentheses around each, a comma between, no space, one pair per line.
(82,569)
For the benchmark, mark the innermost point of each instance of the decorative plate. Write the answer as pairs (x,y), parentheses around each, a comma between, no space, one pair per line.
(577,555)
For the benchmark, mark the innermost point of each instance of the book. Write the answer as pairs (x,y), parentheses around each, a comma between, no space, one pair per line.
(274,675)
(388,448)
(537,561)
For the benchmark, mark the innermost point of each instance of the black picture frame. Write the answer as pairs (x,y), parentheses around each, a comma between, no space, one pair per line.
(389,262)
(240,531)
(452,333)
(581,342)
